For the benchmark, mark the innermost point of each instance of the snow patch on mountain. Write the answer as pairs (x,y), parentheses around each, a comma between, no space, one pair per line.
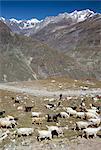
(33,25)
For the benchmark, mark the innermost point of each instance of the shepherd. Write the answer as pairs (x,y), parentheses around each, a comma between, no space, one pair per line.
(60,97)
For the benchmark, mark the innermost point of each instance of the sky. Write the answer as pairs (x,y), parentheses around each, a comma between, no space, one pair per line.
(41,9)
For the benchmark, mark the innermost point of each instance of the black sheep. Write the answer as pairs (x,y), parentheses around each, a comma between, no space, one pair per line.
(2,113)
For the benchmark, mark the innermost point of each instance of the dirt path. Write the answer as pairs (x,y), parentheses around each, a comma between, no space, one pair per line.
(44,92)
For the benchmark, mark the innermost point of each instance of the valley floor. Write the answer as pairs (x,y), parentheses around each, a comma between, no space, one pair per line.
(38,94)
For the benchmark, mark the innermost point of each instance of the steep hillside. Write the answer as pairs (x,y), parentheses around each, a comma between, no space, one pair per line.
(81,41)
(12,62)
(23,58)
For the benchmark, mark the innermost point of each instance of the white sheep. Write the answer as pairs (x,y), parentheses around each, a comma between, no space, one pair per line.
(50,106)
(64,115)
(82,125)
(24,131)
(68,108)
(93,107)
(38,120)
(91,131)
(44,134)
(94,111)
(70,111)
(80,115)
(89,115)
(95,121)
(36,114)
(7,123)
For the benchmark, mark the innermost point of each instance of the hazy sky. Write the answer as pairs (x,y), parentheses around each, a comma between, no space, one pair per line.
(41,9)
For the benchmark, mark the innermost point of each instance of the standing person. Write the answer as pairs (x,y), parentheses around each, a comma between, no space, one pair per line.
(60,97)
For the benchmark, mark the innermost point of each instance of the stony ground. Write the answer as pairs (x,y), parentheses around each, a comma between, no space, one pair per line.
(71,139)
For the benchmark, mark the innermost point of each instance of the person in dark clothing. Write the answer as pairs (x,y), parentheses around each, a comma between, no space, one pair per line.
(60,97)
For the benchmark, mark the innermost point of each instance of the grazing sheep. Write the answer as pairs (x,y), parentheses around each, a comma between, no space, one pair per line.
(52,117)
(24,131)
(63,115)
(37,120)
(94,111)
(10,117)
(95,121)
(70,111)
(7,123)
(80,115)
(44,134)
(58,130)
(50,106)
(90,132)
(2,113)
(36,114)
(82,125)
(89,115)
(69,108)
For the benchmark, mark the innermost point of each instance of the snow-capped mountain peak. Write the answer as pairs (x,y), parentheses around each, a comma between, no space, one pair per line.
(76,16)
(21,24)
(82,15)
(34,25)
(2,19)
(15,21)
(33,20)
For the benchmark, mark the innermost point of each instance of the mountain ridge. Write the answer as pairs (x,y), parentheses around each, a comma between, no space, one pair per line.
(33,25)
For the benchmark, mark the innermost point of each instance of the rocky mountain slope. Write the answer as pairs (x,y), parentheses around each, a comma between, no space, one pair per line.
(24,58)
(81,41)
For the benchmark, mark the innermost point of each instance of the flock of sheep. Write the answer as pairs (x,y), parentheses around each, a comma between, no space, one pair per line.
(89,123)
